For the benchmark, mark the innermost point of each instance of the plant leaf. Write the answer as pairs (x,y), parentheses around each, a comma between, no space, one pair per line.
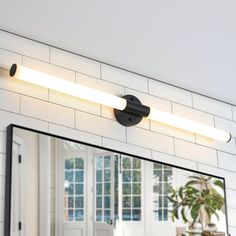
(219,183)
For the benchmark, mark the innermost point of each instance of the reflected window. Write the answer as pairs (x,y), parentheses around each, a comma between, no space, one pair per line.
(103,188)
(74,189)
(162,186)
(131,189)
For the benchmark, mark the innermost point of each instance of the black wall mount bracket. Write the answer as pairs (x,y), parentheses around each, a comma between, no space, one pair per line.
(133,112)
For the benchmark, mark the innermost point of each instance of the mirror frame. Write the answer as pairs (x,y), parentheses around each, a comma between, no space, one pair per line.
(8,175)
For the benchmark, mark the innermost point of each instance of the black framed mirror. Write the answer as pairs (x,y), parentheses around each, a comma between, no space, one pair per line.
(57,186)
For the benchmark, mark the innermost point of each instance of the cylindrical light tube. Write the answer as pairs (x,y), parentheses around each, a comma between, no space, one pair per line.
(93,95)
(66,87)
(189,125)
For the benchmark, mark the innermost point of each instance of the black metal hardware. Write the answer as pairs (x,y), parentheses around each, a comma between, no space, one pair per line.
(20,226)
(19,158)
(133,112)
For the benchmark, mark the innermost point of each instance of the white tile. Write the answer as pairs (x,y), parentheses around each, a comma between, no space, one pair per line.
(127,148)
(2,142)
(225,147)
(75,62)
(231,196)
(193,114)
(228,175)
(9,101)
(49,69)
(232,231)
(11,84)
(100,126)
(47,111)
(2,164)
(195,152)
(231,217)
(100,85)
(124,78)
(1,210)
(212,106)
(8,118)
(151,101)
(74,102)
(8,58)
(226,125)
(169,92)
(1,229)
(172,131)
(148,139)
(2,187)
(24,46)
(75,134)
(234,112)
(170,159)
(227,161)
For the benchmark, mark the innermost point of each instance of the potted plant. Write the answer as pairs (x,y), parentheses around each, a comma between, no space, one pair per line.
(196,202)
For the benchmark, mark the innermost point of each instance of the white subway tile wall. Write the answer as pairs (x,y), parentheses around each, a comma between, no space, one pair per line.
(38,108)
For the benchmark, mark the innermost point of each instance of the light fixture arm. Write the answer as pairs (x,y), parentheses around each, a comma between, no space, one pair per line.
(133,112)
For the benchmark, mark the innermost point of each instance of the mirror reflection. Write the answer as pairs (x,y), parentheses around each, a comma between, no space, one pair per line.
(64,188)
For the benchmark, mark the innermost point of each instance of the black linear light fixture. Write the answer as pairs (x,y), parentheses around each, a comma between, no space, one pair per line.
(128,110)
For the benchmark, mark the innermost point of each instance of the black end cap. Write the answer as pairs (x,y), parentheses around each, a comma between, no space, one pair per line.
(13,70)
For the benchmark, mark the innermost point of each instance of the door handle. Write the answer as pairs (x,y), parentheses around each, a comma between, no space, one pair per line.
(110,222)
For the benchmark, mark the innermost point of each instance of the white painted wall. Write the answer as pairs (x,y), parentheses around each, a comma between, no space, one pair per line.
(38,108)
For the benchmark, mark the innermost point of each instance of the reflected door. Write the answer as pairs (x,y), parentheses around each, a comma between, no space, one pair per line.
(106,194)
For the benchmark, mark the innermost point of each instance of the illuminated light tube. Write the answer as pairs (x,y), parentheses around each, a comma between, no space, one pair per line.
(66,87)
(128,110)
(189,125)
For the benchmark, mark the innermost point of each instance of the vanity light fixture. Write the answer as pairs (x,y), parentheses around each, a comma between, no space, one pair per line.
(128,109)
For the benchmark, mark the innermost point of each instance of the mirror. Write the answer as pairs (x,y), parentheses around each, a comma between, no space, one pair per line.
(61,187)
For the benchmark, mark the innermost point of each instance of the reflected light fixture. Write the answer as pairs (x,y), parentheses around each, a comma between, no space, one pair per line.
(128,109)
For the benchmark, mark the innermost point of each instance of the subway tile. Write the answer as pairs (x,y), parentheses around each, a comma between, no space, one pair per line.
(228,175)
(49,69)
(231,216)
(231,196)
(212,106)
(173,160)
(227,125)
(227,161)
(2,142)
(100,126)
(234,112)
(232,231)
(2,187)
(2,164)
(151,140)
(75,62)
(127,148)
(75,134)
(8,118)
(8,83)
(193,114)
(47,111)
(124,78)
(74,102)
(172,131)
(1,210)
(24,46)
(169,92)
(1,229)
(9,101)
(225,147)
(195,152)
(8,58)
